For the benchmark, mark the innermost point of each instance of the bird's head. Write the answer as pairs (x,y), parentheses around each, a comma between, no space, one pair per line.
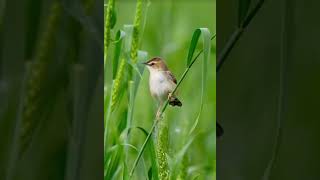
(156,64)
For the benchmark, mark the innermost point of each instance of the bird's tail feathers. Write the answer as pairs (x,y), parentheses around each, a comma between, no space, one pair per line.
(175,102)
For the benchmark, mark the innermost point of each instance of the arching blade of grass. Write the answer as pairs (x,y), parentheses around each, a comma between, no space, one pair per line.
(137,150)
(142,57)
(117,52)
(179,157)
(75,147)
(125,173)
(112,159)
(206,56)
(117,76)
(128,29)
(130,104)
(163,109)
(14,155)
(243,7)
(132,88)
(236,35)
(122,48)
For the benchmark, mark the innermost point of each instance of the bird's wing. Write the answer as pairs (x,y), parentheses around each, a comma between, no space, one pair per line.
(171,76)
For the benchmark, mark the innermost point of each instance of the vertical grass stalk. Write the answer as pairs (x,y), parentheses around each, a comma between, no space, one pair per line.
(107,28)
(135,38)
(162,149)
(237,34)
(115,92)
(283,73)
(37,76)
(136,32)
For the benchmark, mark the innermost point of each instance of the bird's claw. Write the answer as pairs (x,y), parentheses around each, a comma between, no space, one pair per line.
(170,96)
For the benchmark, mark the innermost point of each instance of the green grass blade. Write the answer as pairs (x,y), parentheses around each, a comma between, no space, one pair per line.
(193,45)
(125,173)
(75,148)
(154,167)
(206,56)
(179,157)
(128,29)
(113,18)
(243,8)
(137,151)
(117,52)
(112,161)
(130,103)
(142,57)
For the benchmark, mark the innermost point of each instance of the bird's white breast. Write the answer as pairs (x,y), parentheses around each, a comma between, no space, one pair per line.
(160,85)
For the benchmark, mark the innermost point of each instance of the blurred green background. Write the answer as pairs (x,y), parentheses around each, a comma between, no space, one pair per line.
(168,30)
(51,89)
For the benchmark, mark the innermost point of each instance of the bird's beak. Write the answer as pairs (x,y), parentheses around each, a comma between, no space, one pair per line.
(145,63)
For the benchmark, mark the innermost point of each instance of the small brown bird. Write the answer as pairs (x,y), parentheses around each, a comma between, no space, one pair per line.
(162,83)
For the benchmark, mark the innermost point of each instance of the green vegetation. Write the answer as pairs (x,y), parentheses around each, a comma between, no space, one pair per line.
(183,143)
(50,63)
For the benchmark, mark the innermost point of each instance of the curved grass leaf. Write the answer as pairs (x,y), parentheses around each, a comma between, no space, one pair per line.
(179,157)
(206,56)
(112,161)
(117,52)
(125,174)
(193,45)
(130,103)
(113,19)
(243,8)
(133,85)
(142,57)
(128,29)
(235,36)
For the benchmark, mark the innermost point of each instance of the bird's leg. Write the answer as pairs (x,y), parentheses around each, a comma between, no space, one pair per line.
(158,115)
(170,96)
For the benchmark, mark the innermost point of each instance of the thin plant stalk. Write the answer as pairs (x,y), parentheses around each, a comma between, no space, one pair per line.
(14,155)
(37,76)
(136,32)
(283,71)
(236,35)
(164,107)
(162,148)
(107,29)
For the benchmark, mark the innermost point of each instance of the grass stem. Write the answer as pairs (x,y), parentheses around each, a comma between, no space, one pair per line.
(236,36)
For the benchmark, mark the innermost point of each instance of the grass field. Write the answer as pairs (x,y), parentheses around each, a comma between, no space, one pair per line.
(182,147)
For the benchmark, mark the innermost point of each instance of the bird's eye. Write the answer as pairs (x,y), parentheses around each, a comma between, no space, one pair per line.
(151,64)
